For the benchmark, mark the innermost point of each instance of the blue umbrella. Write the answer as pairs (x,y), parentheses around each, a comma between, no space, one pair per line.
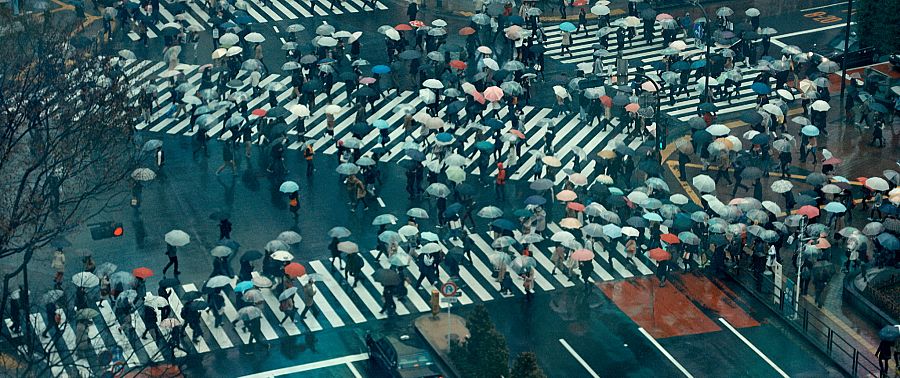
(453,209)
(381,124)
(698,64)
(243,20)
(504,224)
(415,154)
(653,217)
(535,200)
(226,24)
(484,146)
(243,286)
(326,61)
(567,26)
(761,88)
(680,66)
(381,69)
(493,123)
(289,187)
(522,213)
(444,137)
(612,231)
(810,130)
(888,241)
(515,20)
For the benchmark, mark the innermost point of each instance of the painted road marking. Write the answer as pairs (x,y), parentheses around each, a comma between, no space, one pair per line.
(665,352)
(823,6)
(353,370)
(311,366)
(381,203)
(754,348)
(810,31)
(578,358)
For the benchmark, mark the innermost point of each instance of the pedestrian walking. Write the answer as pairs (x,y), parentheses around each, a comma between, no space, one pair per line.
(225,229)
(149,318)
(309,294)
(59,265)
(172,254)
(357,192)
(287,307)
(308,155)
(500,183)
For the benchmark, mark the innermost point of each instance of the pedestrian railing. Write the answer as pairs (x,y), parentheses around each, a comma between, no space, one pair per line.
(809,321)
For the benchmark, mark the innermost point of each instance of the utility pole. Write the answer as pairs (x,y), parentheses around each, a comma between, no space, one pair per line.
(846,47)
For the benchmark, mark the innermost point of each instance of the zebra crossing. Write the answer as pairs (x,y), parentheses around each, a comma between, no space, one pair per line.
(570,136)
(339,304)
(259,11)
(650,52)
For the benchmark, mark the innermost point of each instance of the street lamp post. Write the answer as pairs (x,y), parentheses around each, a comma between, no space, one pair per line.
(707,40)
(846,46)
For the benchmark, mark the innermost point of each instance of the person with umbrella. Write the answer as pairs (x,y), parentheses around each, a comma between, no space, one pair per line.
(499,188)
(224,229)
(286,305)
(354,267)
(724,167)
(216,305)
(150,323)
(587,269)
(309,294)
(172,254)
(739,167)
(191,316)
(884,355)
(176,337)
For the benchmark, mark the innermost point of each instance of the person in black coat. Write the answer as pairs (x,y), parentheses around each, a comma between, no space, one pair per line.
(225,229)
(335,253)
(150,319)
(412,10)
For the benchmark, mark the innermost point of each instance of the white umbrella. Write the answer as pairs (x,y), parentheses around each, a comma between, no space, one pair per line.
(392,34)
(254,38)
(177,238)
(704,183)
(718,129)
(85,279)
(433,84)
(820,106)
(281,256)
(491,63)
(408,230)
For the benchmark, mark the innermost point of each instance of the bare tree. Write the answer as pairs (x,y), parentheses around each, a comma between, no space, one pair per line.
(65,143)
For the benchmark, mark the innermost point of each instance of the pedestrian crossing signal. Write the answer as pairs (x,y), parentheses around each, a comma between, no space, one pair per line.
(106,230)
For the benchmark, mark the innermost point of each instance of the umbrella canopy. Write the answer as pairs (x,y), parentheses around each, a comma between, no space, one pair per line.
(704,183)
(142,273)
(85,280)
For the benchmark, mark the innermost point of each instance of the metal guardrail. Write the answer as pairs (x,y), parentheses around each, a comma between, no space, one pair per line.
(812,324)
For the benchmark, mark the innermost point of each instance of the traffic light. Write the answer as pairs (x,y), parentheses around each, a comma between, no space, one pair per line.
(106,230)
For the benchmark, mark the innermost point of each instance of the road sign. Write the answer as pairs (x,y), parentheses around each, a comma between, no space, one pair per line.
(450,300)
(449,289)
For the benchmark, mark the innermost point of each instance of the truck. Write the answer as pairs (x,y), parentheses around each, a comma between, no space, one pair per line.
(391,357)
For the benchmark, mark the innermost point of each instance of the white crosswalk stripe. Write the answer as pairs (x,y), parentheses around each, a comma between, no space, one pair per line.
(683,108)
(263,12)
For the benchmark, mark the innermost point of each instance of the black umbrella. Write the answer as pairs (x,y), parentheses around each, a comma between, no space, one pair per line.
(650,166)
(387,277)
(624,150)
(465,189)
(364,91)
(454,209)
(620,99)
(360,128)
(251,255)
(415,155)
(191,296)
(313,85)
(278,129)
(760,139)
(682,222)
(409,164)
(751,116)
(278,112)
(410,55)
(752,173)
(169,282)
(456,106)
(197,305)
(538,49)
(348,76)
(702,137)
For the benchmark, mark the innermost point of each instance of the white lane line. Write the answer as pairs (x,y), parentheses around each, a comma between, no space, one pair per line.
(380,201)
(311,366)
(754,348)
(353,370)
(578,358)
(810,31)
(665,352)
(823,6)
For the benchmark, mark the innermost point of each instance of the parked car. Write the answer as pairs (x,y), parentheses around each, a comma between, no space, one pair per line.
(834,50)
(397,359)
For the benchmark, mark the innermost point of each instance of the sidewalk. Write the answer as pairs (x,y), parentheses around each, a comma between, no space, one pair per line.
(437,330)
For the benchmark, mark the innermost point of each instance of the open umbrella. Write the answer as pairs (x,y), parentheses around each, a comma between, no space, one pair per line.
(85,280)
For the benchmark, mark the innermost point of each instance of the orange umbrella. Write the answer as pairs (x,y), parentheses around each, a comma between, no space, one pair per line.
(575,206)
(669,238)
(142,273)
(659,254)
(294,270)
(517,133)
(458,64)
(632,107)
(403,27)
(466,31)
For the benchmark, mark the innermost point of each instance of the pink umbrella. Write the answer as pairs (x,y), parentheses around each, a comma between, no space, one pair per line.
(663,16)
(493,93)
(367,80)
(582,255)
(832,161)
(478,97)
(632,107)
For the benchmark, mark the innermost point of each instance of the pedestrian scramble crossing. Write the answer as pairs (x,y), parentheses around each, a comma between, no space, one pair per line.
(570,135)
(197,13)
(339,304)
(682,108)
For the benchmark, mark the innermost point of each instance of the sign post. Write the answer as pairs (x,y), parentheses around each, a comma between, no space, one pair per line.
(449,291)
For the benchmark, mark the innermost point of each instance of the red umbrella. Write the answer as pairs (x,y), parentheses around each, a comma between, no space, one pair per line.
(403,27)
(478,97)
(295,270)
(142,273)
(466,31)
(517,133)
(659,254)
(606,101)
(669,238)
(575,206)
(862,180)
(259,112)
(579,3)
(809,211)
(458,64)
(832,161)
(632,107)
(415,23)
(582,255)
